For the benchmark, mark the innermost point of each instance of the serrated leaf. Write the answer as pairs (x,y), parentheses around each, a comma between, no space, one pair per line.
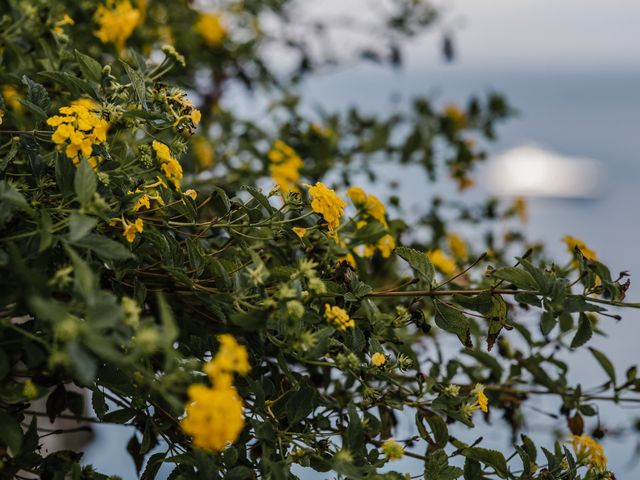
(439,430)
(520,278)
(492,458)
(419,262)
(451,320)
(137,82)
(91,68)
(584,332)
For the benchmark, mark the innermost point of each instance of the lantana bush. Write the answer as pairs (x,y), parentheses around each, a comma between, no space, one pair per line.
(220,277)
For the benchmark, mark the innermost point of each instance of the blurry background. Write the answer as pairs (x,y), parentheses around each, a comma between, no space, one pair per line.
(572,70)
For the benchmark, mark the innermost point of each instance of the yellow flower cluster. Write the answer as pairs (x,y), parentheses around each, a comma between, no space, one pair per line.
(211,28)
(455,115)
(12,98)
(231,358)
(78,128)
(378,359)
(214,415)
(442,261)
(573,243)
(338,317)
(589,451)
(168,164)
(372,207)
(284,166)
(392,449)
(327,203)
(203,151)
(117,21)
(457,246)
(149,193)
(183,111)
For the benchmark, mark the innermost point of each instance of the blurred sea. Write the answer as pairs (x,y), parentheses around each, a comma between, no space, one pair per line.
(588,113)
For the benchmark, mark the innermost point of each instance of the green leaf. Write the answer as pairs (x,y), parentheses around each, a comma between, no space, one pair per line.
(605,363)
(439,430)
(584,332)
(169,327)
(80,225)
(472,469)
(451,320)
(137,81)
(99,403)
(121,416)
(37,95)
(104,247)
(10,433)
(437,467)
(85,182)
(576,303)
(300,404)
(492,458)
(547,322)
(419,262)
(520,278)
(84,364)
(46,231)
(91,69)
(153,466)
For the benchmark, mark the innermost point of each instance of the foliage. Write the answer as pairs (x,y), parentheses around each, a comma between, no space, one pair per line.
(144,259)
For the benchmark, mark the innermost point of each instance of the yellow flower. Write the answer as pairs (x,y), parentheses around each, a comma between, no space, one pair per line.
(29,390)
(117,20)
(284,166)
(231,357)
(191,193)
(211,28)
(386,245)
(589,451)
(196,116)
(326,203)
(130,229)
(442,261)
(457,246)
(338,317)
(173,171)
(573,243)
(162,151)
(375,209)
(12,97)
(457,116)
(299,231)
(378,359)
(348,259)
(392,449)
(143,201)
(482,402)
(203,152)
(357,195)
(214,417)
(81,125)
